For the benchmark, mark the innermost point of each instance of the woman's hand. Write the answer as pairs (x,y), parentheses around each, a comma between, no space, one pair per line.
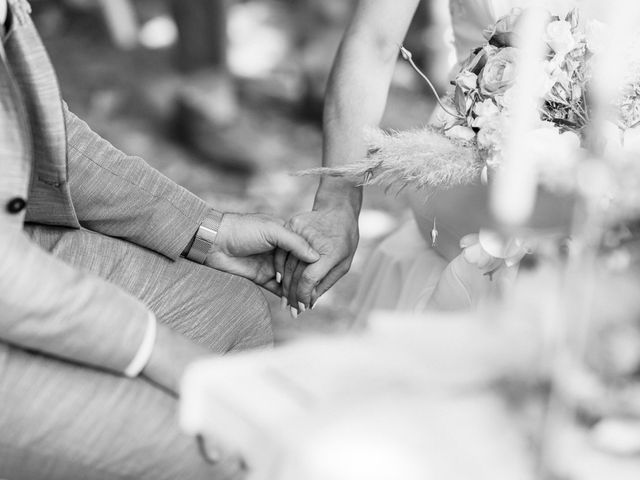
(333,233)
(245,246)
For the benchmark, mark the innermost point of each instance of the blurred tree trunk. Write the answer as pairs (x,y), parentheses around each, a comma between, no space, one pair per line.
(121,21)
(202,27)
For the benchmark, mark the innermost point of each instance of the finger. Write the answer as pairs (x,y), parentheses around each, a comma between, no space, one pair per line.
(278,263)
(307,282)
(278,220)
(312,276)
(273,287)
(265,267)
(292,242)
(287,276)
(331,278)
(294,300)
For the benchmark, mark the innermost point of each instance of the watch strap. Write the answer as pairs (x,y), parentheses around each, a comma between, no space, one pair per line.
(205,236)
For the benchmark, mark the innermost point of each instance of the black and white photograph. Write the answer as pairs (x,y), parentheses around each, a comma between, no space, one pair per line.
(319,240)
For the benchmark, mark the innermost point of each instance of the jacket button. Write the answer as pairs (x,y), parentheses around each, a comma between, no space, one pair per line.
(16,205)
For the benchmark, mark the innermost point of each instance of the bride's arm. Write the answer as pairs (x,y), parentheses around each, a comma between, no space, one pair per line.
(360,78)
(356,97)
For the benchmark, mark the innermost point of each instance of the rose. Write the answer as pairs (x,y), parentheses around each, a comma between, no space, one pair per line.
(499,74)
(502,33)
(484,111)
(467,80)
(559,37)
(478,59)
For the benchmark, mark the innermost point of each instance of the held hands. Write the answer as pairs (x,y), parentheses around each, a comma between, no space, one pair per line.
(333,233)
(245,246)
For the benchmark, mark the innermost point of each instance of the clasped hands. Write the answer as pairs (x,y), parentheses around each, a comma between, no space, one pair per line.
(298,260)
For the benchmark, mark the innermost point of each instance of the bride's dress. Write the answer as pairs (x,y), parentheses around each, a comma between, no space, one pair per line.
(407,272)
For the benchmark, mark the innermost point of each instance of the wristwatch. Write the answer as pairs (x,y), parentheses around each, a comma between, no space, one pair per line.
(205,236)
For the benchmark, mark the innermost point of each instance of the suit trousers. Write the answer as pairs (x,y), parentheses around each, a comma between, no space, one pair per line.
(63,421)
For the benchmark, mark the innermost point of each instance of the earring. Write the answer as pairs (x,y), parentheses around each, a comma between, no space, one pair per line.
(434,234)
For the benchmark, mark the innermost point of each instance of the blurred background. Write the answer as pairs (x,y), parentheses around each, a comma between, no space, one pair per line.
(225,97)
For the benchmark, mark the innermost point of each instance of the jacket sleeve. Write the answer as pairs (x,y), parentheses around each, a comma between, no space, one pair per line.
(50,307)
(122,196)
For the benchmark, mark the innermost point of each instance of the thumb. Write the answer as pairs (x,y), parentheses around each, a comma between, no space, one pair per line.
(294,243)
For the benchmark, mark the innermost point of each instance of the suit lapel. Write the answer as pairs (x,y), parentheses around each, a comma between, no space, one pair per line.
(37,81)
(50,199)
(15,152)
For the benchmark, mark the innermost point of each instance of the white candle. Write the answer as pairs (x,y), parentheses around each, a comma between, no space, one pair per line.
(611,70)
(514,192)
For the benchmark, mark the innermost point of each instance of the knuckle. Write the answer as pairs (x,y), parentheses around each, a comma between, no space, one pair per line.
(296,223)
(299,224)
(308,279)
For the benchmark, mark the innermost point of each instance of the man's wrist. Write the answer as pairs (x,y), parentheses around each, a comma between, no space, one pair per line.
(204,238)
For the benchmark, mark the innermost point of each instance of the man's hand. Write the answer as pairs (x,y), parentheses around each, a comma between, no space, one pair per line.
(245,246)
(333,233)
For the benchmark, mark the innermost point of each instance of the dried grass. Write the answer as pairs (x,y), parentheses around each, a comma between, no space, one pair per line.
(416,158)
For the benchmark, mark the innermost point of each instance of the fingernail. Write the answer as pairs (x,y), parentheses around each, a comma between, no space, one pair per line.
(283,303)
(278,277)
(301,307)
(294,312)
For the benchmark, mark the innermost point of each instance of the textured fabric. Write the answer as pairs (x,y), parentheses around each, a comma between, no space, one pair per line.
(122,196)
(14,149)
(145,350)
(68,314)
(49,153)
(61,421)
(40,95)
(84,297)
(49,306)
(400,275)
(222,311)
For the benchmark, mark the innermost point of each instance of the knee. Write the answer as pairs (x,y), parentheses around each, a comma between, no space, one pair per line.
(253,325)
(236,313)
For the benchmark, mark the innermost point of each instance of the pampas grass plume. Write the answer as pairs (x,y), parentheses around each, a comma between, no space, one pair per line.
(417,158)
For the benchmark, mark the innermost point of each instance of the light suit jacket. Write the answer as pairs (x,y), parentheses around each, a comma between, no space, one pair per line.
(71,177)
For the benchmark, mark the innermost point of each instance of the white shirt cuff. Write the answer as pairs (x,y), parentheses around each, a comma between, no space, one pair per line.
(145,350)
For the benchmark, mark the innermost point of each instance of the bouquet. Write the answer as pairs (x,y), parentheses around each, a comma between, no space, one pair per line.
(468,135)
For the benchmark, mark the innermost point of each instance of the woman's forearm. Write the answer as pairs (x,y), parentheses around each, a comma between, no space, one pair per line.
(358,87)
